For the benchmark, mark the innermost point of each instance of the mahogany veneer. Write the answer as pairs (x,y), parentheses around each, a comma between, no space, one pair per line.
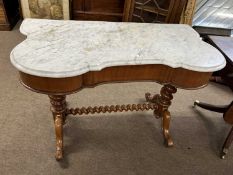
(58,88)
(159,73)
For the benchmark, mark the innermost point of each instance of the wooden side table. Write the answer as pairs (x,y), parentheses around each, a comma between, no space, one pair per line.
(59,58)
(225,46)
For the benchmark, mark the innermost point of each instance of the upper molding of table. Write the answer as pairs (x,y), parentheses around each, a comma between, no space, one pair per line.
(57,48)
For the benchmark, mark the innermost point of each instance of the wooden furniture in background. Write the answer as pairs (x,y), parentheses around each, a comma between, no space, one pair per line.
(188,12)
(9,14)
(154,11)
(227,111)
(225,45)
(101,10)
(164,11)
(225,76)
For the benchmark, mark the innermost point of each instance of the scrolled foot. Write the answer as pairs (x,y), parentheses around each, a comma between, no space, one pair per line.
(165,126)
(167,138)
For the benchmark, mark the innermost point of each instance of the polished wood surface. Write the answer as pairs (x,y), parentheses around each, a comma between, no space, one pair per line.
(107,10)
(112,108)
(58,88)
(159,103)
(165,11)
(58,108)
(178,77)
(163,101)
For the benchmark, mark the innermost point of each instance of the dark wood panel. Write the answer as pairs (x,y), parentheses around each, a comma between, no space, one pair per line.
(97,16)
(109,6)
(78,5)
(101,10)
(175,11)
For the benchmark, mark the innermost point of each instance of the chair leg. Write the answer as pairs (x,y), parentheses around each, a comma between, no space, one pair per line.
(227,144)
(220,109)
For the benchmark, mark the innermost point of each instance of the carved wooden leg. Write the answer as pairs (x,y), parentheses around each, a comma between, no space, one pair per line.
(58,108)
(227,144)
(164,101)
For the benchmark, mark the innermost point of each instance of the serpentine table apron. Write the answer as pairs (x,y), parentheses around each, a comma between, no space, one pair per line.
(59,58)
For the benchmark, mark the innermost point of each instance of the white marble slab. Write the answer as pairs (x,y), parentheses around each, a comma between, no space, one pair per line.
(69,48)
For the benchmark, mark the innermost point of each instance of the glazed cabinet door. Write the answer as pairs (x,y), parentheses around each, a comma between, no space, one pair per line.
(154,11)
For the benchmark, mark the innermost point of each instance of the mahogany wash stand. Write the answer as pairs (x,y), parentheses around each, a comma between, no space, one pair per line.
(59,58)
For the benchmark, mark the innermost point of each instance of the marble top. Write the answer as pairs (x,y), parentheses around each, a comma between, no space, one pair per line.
(59,48)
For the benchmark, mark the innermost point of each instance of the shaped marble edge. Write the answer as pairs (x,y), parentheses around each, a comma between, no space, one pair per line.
(30,26)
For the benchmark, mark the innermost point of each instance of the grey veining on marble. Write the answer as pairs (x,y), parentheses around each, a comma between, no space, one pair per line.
(70,48)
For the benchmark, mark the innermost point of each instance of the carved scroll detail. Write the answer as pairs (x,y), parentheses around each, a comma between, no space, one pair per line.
(112,108)
(163,100)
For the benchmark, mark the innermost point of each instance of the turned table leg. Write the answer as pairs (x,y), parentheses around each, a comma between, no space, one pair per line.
(164,101)
(58,108)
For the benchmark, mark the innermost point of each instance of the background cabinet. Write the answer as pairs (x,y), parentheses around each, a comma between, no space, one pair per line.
(107,10)
(154,11)
(9,14)
(165,11)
